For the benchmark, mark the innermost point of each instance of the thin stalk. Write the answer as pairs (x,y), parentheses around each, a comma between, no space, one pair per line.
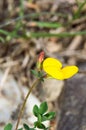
(24,103)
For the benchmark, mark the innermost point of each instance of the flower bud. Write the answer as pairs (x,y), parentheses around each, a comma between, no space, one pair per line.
(40,60)
(41,57)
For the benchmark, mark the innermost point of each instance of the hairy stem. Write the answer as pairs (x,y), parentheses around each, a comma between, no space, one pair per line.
(24,103)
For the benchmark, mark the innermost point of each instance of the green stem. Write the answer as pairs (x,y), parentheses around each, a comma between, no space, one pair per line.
(24,103)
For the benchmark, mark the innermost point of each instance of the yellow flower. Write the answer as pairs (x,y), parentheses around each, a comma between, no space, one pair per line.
(53,67)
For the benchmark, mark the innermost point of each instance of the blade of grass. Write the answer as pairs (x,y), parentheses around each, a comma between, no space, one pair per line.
(64,34)
(21,12)
(80,7)
(18,24)
(2,39)
(8,35)
(47,24)
(40,34)
(4,32)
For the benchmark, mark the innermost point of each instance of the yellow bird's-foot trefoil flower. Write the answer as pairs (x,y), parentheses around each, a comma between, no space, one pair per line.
(53,68)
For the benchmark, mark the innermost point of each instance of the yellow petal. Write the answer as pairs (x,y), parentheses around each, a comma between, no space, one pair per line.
(52,67)
(52,62)
(69,71)
(54,72)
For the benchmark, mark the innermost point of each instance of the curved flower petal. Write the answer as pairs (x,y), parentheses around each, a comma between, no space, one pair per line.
(52,62)
(69,71)
(52,67)
(54,72)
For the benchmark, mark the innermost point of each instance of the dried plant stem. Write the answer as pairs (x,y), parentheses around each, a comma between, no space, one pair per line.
(24,103)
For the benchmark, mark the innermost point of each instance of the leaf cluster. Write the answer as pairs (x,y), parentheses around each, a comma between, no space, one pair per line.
(42,115)
(40,112)
(38,74)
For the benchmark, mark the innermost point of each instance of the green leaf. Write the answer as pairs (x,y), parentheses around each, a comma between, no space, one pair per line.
(43,108)
(37,74)
(43,118)
(50,115)
(36,110)
(40,74)
(26,127)
(34,72)
(20,129)
(39,117)
(8,126)
(39,125)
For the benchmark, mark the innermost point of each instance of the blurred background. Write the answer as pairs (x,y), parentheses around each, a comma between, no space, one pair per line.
(57,27)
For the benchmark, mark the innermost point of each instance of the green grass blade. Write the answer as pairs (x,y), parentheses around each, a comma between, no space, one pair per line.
(64,34)
(2,39)
(4,32)
(48,24)
(77,13)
